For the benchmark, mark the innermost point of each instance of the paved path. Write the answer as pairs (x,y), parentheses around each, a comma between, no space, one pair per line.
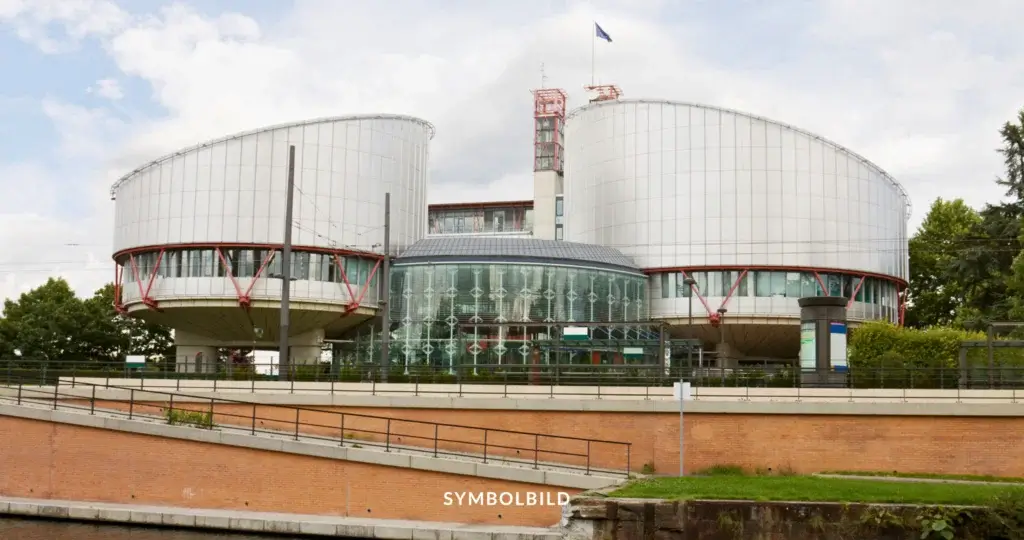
(264,522)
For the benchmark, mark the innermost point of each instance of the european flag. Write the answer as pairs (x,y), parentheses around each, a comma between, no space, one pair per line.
(602,34)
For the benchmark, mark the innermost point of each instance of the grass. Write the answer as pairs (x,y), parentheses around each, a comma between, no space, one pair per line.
(732,483)
(969,477)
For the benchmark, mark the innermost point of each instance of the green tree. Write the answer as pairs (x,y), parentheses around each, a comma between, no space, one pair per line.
(46,323)
(989,256)
(112,336)
(935,293)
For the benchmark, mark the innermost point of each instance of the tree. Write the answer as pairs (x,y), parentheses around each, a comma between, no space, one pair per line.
(50,323)
(935,294)
(46,323)
(113,336)
(989,267)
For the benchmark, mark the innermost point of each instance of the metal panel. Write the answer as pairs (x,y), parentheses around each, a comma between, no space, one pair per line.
(231,190)
(468,247)
(679,185)
(701,186)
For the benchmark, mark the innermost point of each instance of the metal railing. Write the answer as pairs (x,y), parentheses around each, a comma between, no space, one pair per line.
(512,391)
(346,428)
(619,375)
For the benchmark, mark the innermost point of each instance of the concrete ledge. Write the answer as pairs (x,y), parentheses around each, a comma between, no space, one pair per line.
(608,393)
(329,450)
(266,522)
(876,402)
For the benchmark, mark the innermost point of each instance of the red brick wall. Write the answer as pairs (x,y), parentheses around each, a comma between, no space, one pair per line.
(802,443)
(58,461)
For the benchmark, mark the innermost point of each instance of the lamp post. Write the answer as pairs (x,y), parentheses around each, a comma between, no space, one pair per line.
(691,285)
(721,336)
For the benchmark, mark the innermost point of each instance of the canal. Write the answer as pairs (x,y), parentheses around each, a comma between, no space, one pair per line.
(31,529)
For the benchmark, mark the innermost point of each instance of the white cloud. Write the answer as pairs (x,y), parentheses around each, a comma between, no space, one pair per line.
(108,88)
(919,88)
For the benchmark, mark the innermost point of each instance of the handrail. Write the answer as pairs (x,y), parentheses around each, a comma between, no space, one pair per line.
(698,393)
(390,436)
(972,376)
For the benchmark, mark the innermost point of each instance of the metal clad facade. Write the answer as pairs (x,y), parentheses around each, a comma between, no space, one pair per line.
(677,185)
(233,190)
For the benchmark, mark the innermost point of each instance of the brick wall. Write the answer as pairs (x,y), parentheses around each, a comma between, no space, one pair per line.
(58,461)
(802,443)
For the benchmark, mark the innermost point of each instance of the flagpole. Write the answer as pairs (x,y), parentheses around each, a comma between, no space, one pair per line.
(593,51)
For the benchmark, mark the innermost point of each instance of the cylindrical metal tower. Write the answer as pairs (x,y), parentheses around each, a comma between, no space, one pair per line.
(759,213)
(198,233)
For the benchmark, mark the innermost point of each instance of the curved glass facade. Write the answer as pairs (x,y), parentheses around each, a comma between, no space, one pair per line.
(245,262)
(498,313)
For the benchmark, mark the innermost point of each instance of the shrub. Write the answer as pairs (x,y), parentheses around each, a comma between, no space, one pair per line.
(884,355)
(199,419)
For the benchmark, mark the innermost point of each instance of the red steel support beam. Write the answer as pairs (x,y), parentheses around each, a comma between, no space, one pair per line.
(821,282)
(366,287)
(144,292)
(901,297)
(118,277)
(246,299)
(857,290)
(735,285)
(344,279)
(693,290)
(231,276)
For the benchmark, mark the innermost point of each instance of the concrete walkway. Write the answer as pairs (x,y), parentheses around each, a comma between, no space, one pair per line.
(263,522)
(546,473)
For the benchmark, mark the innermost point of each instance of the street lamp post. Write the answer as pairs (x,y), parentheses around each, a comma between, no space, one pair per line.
(691,286)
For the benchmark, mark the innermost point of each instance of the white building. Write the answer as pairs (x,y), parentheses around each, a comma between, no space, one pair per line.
(198,233)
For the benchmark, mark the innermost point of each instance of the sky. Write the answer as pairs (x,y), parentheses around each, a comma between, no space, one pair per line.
(92,89)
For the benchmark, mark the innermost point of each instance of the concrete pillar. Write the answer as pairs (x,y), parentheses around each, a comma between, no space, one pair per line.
(194,354)
(822,321)
(546,186)
(307,348)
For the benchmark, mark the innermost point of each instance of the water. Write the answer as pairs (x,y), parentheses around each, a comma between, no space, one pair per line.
(30,529)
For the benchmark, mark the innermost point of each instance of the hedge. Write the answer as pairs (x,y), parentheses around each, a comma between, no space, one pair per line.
(884,355)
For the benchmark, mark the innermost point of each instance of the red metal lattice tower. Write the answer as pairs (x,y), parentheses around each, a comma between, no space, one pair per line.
(549,106)
(605,92)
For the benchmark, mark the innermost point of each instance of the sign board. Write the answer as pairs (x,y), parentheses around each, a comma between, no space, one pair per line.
(135,361)
(687,391)
(808,345)
(838,339)
(633,352)
(576,333)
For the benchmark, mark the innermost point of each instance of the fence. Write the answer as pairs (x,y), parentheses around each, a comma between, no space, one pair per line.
(767,375)
(346,428)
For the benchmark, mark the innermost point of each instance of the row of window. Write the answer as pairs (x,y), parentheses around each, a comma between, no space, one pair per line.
(774,284)
(475,293)
(307,266)
(474,220)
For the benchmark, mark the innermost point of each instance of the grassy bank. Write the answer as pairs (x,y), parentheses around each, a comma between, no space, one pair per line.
(967,477)
(732,484)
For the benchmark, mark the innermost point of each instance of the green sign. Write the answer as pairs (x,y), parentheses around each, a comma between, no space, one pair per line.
(633,352)
(135,361)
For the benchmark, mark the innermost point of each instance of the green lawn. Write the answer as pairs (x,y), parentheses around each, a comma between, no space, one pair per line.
(809,488)
(999,479)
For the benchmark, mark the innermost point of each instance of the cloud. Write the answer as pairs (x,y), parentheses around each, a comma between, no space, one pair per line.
(107,88)
(919,89)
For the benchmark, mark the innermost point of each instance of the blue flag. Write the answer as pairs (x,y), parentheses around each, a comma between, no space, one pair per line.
(602,34)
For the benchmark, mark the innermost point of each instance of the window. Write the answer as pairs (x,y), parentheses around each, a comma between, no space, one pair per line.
(559,206)
(559,233)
